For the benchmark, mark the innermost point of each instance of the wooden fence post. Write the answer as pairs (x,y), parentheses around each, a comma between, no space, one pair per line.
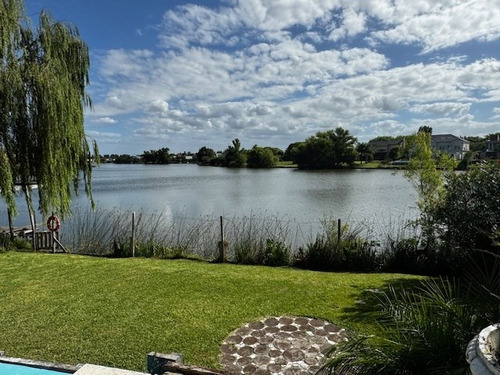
(222,255)
(132,239)
(339,229)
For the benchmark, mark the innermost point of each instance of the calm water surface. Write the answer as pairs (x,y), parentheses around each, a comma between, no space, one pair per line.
(376,197)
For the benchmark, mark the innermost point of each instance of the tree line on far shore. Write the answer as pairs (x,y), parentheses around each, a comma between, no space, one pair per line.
(331,149)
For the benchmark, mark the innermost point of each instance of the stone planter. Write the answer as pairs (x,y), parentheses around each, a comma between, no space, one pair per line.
(483,352)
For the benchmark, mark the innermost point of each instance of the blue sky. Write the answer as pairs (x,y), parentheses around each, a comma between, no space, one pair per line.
(187,74)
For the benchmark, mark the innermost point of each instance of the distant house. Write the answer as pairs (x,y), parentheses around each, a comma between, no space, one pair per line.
(450,144)
(493,146)
(382,149)
(183,158)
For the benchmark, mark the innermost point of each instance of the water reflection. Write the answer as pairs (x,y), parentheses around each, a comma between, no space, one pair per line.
(356,196)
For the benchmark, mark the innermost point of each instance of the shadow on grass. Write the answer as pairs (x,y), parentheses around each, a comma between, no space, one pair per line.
(367,307)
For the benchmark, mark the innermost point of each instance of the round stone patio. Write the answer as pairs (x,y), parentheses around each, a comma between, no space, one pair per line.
(279,345)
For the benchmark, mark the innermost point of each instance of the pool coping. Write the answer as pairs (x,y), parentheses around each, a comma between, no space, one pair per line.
(69,369)
(157,363)
(80,369)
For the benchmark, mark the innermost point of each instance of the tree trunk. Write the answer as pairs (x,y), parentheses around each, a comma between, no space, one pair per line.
(11,224)
(31,212)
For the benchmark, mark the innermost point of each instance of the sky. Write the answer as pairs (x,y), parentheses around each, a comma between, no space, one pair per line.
(188,74)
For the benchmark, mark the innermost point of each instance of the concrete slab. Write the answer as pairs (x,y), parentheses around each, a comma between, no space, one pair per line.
(89,369)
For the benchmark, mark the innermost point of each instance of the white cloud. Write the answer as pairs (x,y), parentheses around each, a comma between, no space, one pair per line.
(266,71)
(115,101)
(104,120)
(158,106)
(352,24)
(429,23)
(106,137)
(352,98)
(280,14)
(440,24)
(128,65)
(496,114)
(445,109)
(200,25)
(266,68)
(259,110)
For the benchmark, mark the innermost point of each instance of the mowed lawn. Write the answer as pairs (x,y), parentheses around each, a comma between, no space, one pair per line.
(76,309)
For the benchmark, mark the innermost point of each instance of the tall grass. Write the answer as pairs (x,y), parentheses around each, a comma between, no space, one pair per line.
(109,233)
(338,247)
(260,240)
(254,239)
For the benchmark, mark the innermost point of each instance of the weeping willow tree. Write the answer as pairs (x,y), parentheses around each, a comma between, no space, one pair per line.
(43,75)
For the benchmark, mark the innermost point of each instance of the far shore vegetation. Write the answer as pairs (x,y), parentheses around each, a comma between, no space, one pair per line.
(332,149)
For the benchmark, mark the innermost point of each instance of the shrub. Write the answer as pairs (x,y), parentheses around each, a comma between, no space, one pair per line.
(248,251)
(273,253)
(257,239)
(402,255)
(316,256)
(276,254)
(21,244)
(338,251)
(469,214)
(359,255)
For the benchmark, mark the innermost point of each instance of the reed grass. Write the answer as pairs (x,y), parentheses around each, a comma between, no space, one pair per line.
(108,233)
(257,239)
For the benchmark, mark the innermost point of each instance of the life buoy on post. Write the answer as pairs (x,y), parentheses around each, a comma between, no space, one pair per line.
(53,223)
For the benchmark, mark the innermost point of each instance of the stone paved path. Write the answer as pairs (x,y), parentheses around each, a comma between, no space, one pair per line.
(279,346)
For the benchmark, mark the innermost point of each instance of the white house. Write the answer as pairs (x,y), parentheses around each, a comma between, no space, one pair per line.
(450,144)
(493,146)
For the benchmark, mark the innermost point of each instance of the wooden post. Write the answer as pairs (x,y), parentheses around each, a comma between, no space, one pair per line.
(222,255)
(132,239)
(59,243)
(53,242)
(339,229)
(32,217)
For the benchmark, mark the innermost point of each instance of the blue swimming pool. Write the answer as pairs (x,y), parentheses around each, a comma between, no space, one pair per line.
(15,369)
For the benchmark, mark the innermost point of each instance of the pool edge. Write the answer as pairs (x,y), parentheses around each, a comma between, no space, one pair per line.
(69,369)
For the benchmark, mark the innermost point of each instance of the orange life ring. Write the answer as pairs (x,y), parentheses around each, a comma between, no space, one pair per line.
(53,223)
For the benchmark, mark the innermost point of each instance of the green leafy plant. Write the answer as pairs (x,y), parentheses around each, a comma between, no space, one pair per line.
(469,214)
(248,251)
(338,249)
(423,331)
(277,253)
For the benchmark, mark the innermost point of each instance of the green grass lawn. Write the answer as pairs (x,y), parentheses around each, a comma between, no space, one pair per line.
(75,309)
(369,165)
(285,164)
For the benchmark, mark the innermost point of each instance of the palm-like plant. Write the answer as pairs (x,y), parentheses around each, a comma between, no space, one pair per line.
(424,331)
(365,151)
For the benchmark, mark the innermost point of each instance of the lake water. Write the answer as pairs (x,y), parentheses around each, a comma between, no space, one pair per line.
(377,198)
